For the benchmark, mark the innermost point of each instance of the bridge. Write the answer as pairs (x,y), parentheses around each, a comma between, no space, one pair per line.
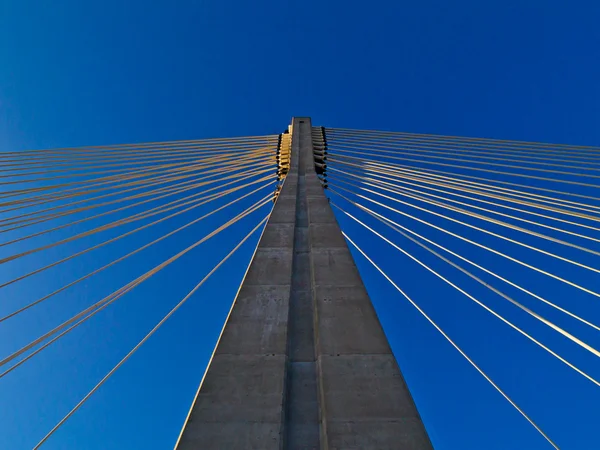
(334,219)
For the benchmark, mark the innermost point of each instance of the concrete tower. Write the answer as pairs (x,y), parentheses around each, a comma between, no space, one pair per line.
(303,362)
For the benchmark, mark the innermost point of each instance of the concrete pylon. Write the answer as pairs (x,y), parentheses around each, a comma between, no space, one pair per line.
(303,362)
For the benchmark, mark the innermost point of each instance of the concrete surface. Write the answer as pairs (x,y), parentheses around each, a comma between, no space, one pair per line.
(303,362)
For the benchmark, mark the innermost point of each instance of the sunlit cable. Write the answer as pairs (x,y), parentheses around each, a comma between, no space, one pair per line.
(453,343)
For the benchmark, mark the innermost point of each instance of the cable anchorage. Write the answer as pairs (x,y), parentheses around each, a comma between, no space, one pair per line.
(283,157)
(319,142)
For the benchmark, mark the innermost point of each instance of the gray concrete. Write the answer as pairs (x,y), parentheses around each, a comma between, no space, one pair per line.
(303,362)
(302,406)
(241,402)
(363,399)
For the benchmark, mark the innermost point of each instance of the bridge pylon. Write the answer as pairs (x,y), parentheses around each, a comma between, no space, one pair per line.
(302,362)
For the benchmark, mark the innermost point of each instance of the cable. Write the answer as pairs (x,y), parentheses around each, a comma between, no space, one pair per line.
(432,173)
(146,156)
(171,190)
(487,308)
(137,161)
(44,212)
(143,180)
(195,186)
(139,249)
(122,291)
(423,186)
(404,171)
(398,228)
(486,219)
(212,197)
(395,225)
(113,171)
(148,171)
(99,229)
(458,184)
(150,333)
(491,233)
(462,147)
(453,344)
(107,149)
(198,147)
(426,154)
(551,275)
(166,177)
(513,174)
(466,139)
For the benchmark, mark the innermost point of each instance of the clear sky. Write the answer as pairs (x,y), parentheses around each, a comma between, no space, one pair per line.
(78,73)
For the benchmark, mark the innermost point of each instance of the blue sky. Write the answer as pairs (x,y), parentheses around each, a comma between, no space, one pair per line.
(80,73)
